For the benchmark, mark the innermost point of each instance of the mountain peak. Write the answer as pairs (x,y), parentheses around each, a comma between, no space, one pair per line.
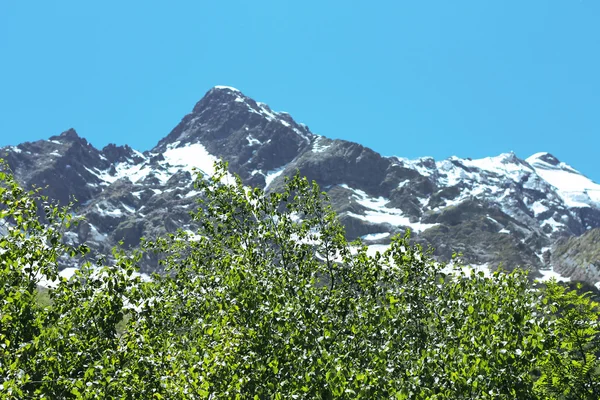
(70,134)
(219,96)
(229,123)
(543,157)
(577,190)
(226,88)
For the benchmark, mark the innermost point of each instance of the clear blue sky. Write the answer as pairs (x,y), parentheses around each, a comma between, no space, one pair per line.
(408,78)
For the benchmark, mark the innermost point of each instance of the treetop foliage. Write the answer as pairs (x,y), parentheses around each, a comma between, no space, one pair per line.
(267,300)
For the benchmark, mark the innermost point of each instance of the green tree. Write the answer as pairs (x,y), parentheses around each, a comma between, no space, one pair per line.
(267,300)
(571,369)
(29,251)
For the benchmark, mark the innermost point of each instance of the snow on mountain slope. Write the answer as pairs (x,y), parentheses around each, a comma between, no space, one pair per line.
(377,212)
(574,188)
(190,157)
(540,187)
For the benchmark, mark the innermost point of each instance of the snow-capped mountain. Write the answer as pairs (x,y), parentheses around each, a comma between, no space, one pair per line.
(497,210)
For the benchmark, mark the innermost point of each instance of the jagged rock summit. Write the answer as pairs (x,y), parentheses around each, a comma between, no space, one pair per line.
(496,210)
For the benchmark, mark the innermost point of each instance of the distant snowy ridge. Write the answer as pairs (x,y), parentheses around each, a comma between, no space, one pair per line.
(576,189)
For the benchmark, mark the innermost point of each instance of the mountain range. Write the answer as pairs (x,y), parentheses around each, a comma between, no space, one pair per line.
(538,213)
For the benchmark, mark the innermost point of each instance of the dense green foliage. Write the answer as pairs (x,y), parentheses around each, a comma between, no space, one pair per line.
(267,300)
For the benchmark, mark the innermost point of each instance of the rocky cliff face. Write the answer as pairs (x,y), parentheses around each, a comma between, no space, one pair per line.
(578,256)
(498,210)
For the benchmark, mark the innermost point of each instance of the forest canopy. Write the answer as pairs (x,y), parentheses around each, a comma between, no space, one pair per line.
(267,300)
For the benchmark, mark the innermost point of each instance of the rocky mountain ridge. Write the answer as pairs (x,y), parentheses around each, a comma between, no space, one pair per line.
(497,210)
